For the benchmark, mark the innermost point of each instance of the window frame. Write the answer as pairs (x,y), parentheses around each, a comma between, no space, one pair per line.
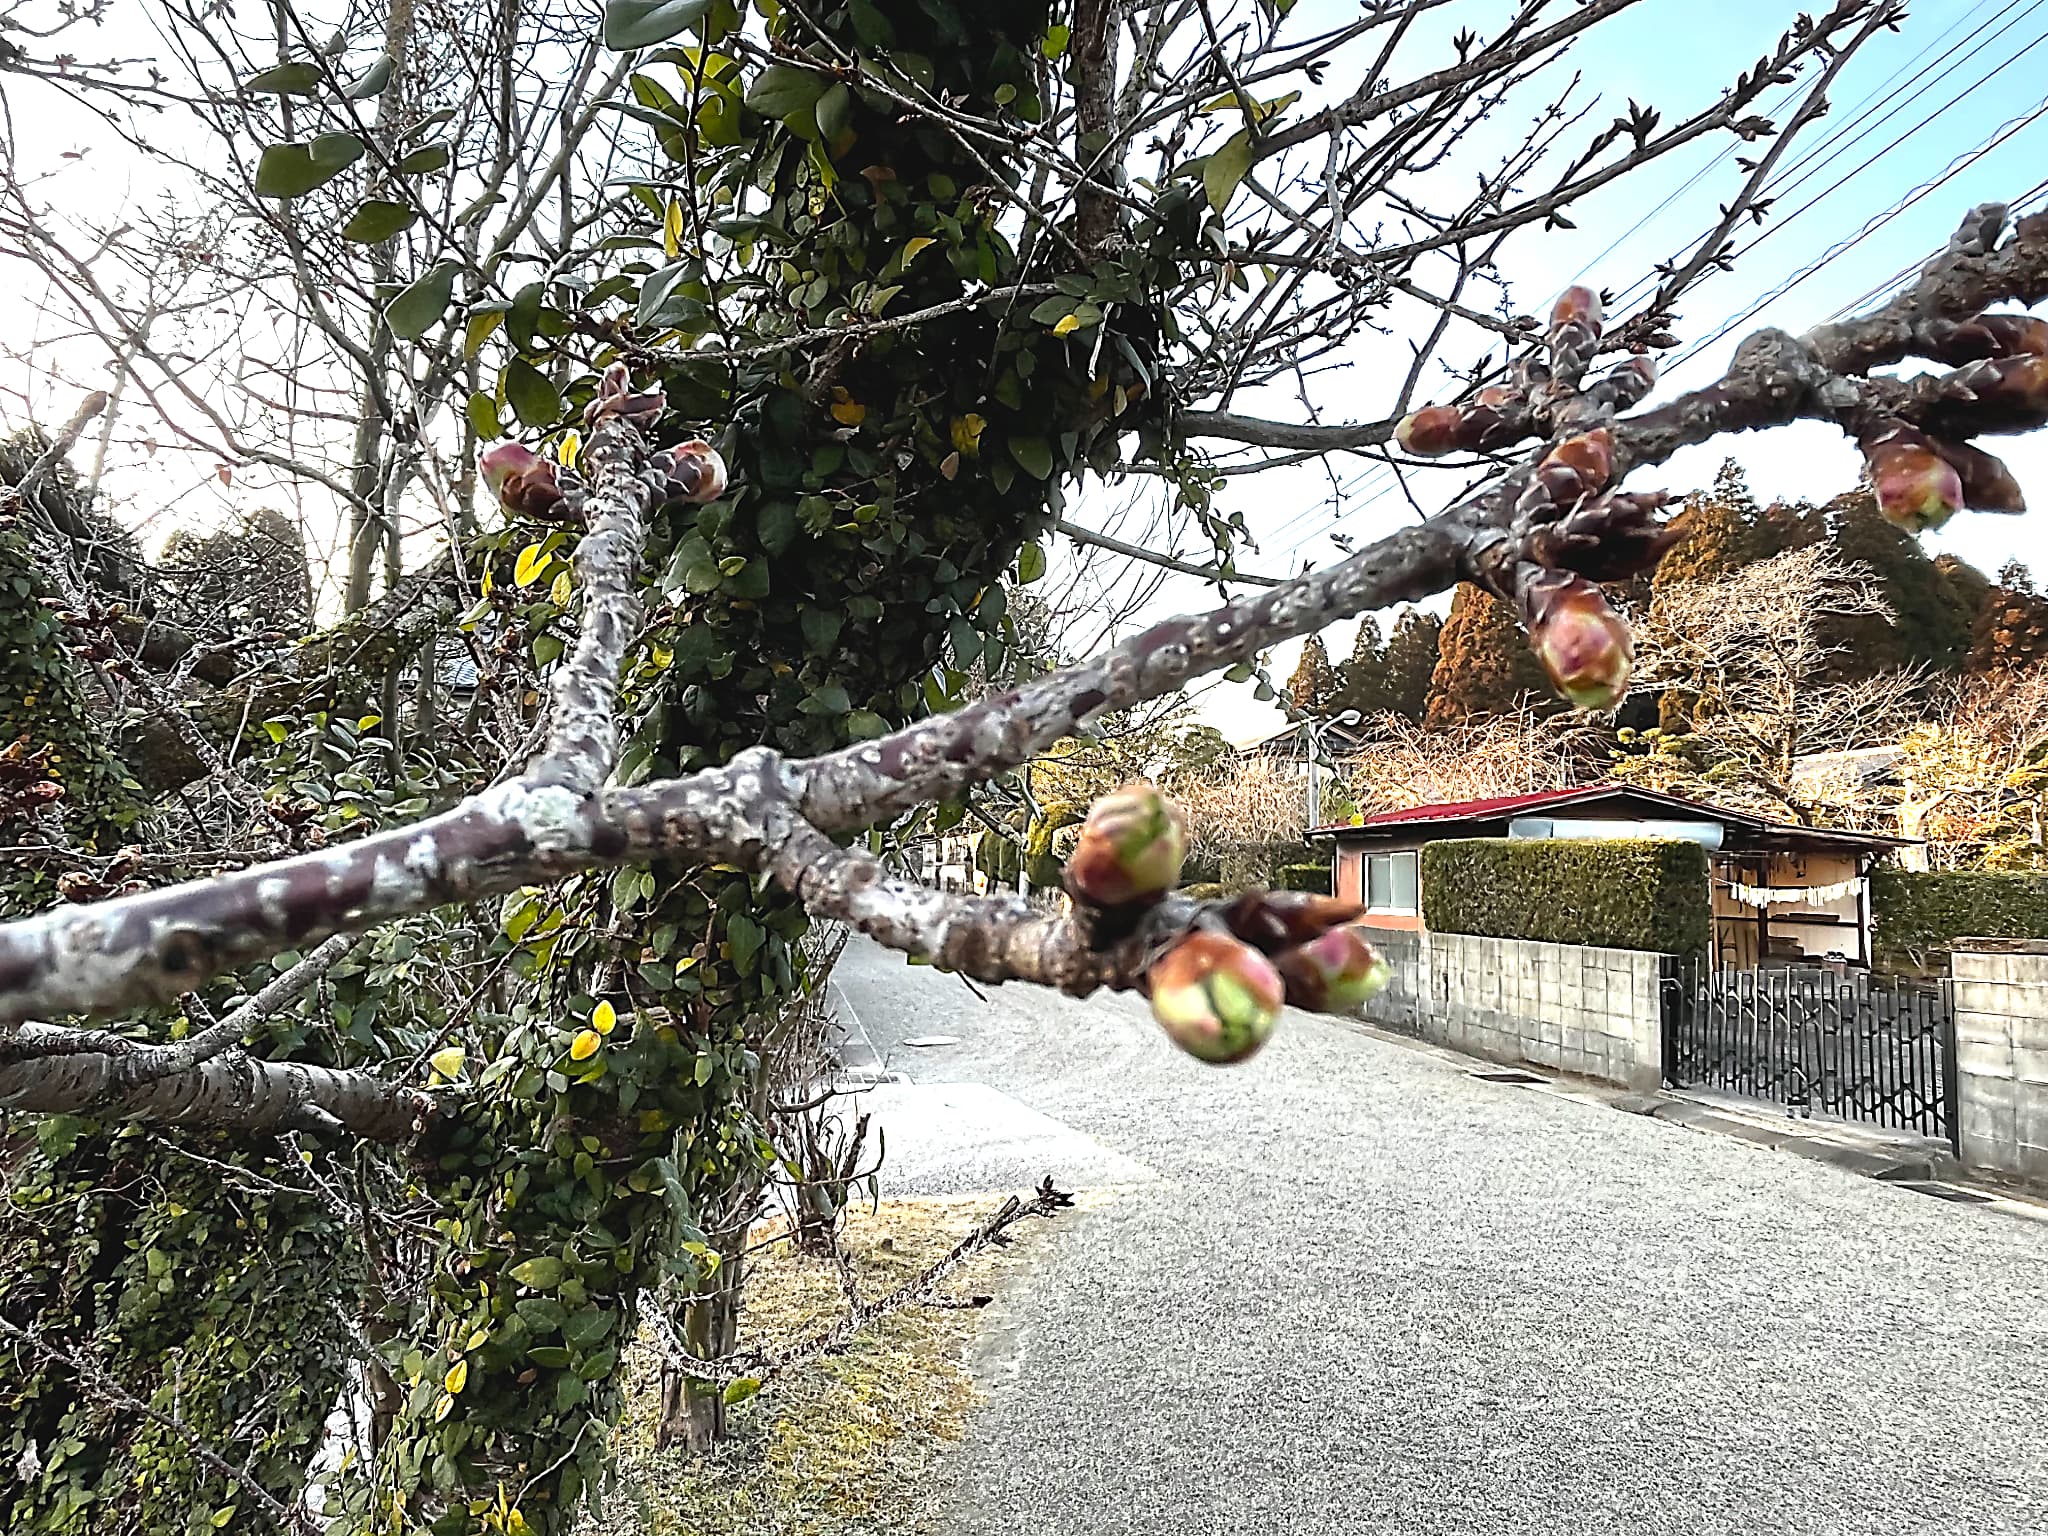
(1392,907)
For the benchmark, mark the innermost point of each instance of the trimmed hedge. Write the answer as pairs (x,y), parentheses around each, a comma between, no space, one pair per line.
(1620,893)
(1914,909)
(1306,877)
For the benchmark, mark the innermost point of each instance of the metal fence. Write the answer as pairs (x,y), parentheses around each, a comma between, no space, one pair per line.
(1869,1048)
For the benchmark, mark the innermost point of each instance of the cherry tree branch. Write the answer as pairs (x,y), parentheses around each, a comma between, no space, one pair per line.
(769,814)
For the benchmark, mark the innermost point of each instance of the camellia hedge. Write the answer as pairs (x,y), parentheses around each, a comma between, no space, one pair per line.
(1621,893)
(1926,909)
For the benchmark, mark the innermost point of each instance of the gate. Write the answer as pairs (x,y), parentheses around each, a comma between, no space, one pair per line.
(1870,1048)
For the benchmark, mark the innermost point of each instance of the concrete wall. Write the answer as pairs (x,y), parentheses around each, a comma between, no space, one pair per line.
(2001,989)
(1593,1012)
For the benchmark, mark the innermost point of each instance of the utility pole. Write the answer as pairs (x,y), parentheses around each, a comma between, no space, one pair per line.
(1312,732)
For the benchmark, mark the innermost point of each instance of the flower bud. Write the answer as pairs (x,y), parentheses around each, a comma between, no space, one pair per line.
(699,473)
(1917,489)
(1275,920)
(1430,431)
(1583,644)
(1335,972)
(521,479)
(1130,850)
(1988,486)
(1217,999)
(1577,306)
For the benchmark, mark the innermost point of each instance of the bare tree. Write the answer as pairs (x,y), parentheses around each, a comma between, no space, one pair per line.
(1399,764)
(1751,650)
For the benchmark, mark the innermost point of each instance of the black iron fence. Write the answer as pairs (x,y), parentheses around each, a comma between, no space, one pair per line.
(1870,1048)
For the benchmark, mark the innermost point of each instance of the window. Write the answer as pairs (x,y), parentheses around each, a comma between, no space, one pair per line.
(1390,882)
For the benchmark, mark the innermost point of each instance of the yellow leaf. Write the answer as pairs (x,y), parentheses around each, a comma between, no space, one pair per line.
(585,1045)
(604,1018)
(672,229)
(967,433)
(653,1121)
(911,249)
(478,1339)
(849,413)
(568,448)
(457,1378)
(447,1063)
(368,721)
(443,1408)
(527,571)
(1067,326)
(487,581)
(559,590)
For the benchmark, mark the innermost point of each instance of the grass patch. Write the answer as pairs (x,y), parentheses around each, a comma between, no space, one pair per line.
(845,1444)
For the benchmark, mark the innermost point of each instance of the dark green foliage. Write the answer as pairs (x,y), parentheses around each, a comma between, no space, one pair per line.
(1391,677)
(1484,664)
(1928,627)
(1721,532)
(1312,688)
(1305,877)
(1915,914)
(1622,893)
(2011,624)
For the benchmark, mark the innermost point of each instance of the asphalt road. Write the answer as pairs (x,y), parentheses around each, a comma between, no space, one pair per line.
(1349,1288)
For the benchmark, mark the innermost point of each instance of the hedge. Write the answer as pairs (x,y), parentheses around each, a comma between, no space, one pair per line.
(1305,877)
(1621,893)
(1923,910)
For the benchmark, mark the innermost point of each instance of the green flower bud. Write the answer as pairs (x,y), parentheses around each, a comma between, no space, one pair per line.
(1334,972)
(1217,999)
(1130,850)
(1583,644)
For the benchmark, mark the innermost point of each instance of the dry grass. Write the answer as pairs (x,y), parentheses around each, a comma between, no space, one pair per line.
(846,1444)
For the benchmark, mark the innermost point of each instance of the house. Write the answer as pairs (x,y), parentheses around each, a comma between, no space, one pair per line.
(1780,892)
(1294,744)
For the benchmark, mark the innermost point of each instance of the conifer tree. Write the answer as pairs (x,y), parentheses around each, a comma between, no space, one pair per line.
(1313,686)
(1484,666)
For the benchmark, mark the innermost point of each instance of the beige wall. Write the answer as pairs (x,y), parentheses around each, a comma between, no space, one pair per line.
(1816,930)
(2002,1057)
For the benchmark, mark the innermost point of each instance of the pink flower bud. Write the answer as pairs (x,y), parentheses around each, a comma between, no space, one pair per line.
(699,473)
(1335,972)
(1130,850)
(1577,305)
(1430,431)
(522,480)
(502,461)
(1583,644)
(1917,489)
(1217,999)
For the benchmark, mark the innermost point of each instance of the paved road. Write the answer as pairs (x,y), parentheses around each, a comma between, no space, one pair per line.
(1348,1288)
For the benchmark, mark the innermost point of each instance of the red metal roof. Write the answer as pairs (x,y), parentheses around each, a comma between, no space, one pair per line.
(1508,805)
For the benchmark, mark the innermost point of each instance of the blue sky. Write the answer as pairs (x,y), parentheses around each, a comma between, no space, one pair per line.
(1925,87)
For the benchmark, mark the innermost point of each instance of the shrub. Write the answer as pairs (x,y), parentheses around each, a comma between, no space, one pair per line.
(1921,910)
(1623,893)
(1306,877)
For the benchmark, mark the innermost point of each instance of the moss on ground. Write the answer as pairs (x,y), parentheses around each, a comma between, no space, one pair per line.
(845,1444)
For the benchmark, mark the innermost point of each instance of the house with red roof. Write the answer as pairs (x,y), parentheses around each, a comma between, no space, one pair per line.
(1781,892)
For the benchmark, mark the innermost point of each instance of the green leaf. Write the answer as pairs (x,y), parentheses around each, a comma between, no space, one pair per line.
(833,110)
(430,157)
(377,220)
(293,170)
(295,79)
(1228,166)
(532,396)
(1033,456)
(780,91)
(585,1328)
(482,411)
(372,80)
(1030,564)
(739,1389)
(1056,40)
(821,629)
(662,304)
(482,322)
(416,309)
(865,725)
(630,24)
(776,526)
(541,1274)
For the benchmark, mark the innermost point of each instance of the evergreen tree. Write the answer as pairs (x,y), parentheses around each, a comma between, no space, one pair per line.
(2011,628)
(1722,531)
(1484,664)
(1926,628)
(1410,663)
(1362,680)
(1313,685)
